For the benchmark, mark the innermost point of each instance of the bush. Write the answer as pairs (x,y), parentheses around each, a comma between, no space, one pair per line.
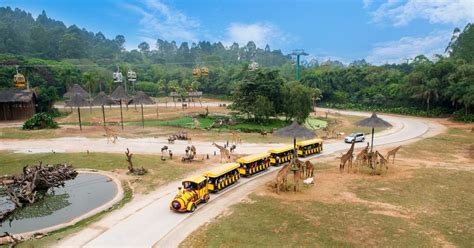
(461,115)
(40,121)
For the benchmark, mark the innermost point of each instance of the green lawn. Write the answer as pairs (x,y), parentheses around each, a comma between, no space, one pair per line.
(160,171)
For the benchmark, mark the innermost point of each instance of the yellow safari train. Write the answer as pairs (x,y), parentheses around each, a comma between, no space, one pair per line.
(196,190)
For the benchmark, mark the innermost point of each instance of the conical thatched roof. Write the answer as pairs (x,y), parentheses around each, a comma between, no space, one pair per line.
(76,89)
(373,121)
(295,130)
(77,101)
(141,98)
(119,94)
(102,99)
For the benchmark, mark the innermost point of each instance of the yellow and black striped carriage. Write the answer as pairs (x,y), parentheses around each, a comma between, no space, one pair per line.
(194,191)
(309,147)
(252,164)
(282,155)
(222,176)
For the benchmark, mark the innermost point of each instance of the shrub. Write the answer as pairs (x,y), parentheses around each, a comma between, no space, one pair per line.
(461,115)
(40,121)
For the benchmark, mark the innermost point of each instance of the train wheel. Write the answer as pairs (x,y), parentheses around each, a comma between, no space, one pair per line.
(193,207)
(206,198)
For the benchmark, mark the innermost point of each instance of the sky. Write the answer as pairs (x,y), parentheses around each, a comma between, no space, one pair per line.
(384,31)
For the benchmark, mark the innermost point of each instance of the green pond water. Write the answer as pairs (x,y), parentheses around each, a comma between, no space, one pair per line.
(79,196)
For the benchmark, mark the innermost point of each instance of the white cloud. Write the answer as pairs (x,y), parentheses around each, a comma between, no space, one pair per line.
(161,21)
(261,33)
(402,12)
(367,3)
(409,47)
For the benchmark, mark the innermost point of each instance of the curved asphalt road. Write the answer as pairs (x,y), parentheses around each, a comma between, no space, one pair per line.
(147,221)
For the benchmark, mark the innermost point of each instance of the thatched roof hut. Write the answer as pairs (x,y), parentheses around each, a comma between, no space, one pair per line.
(119,94)
(77,101)
(102,99)
(295,130)
(17,104)
(141,98)
(76,89)
(373,121)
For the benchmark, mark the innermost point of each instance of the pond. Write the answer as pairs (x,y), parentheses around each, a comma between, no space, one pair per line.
(79,196)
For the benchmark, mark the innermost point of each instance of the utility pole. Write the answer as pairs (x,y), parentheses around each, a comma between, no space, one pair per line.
(298,53)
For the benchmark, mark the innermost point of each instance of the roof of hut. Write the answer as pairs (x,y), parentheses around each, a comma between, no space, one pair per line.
(76,89)
(16,95)
(373,121)
(102,99)
(295,130)
(77,101)
(119,94)
(142,98)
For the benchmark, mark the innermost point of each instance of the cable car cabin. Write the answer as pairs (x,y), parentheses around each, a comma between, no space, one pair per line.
(196,72)
(204,71)
(252,164)
(309,147)
(194,191)
(222,176)
(118,77)
(132,76)
(281,155)
(19,80)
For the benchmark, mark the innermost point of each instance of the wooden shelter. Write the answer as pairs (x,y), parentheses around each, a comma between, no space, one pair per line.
(121,96)
(101,100)
(187,97)
(142,98)
(17,104)
(78,101)
(76,89)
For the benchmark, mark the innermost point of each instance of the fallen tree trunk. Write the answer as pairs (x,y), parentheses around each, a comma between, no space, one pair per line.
(35,180)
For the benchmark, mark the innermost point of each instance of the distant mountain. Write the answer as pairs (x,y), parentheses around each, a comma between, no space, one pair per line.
(43,37)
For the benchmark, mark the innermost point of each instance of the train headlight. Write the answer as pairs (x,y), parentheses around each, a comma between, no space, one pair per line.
(176,205)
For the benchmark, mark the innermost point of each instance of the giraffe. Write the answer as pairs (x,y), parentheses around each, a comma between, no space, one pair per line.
(282,177)
(197,124)
(393,153)
(224,152)
(236,137)
(362,156)
(111,135)
(309,169)
(382,160)
(347,157)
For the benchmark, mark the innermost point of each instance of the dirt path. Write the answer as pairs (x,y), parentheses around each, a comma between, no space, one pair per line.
(165,228)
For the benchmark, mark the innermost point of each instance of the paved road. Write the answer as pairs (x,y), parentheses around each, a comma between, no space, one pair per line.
(147,221)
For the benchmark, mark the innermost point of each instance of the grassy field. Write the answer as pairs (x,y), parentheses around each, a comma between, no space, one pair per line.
(160,172)
(417,203)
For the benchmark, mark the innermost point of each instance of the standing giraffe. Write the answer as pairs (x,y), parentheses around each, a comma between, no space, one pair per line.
(383,162)
(362,156)
(393,153)
(197,124)
(236,138)
(347,157)
(224,152)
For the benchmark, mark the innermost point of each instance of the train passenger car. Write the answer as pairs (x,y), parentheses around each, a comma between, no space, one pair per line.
(252,164)
(309,147)
(194,191)
(222,176)
(281,155)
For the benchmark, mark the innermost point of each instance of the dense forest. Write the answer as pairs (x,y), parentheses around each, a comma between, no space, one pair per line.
(53,57)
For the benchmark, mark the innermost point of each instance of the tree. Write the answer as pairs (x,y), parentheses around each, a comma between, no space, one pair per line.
(144,48)
(262,109)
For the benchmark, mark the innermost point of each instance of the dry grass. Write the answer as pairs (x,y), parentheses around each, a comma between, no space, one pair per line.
(416,202)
